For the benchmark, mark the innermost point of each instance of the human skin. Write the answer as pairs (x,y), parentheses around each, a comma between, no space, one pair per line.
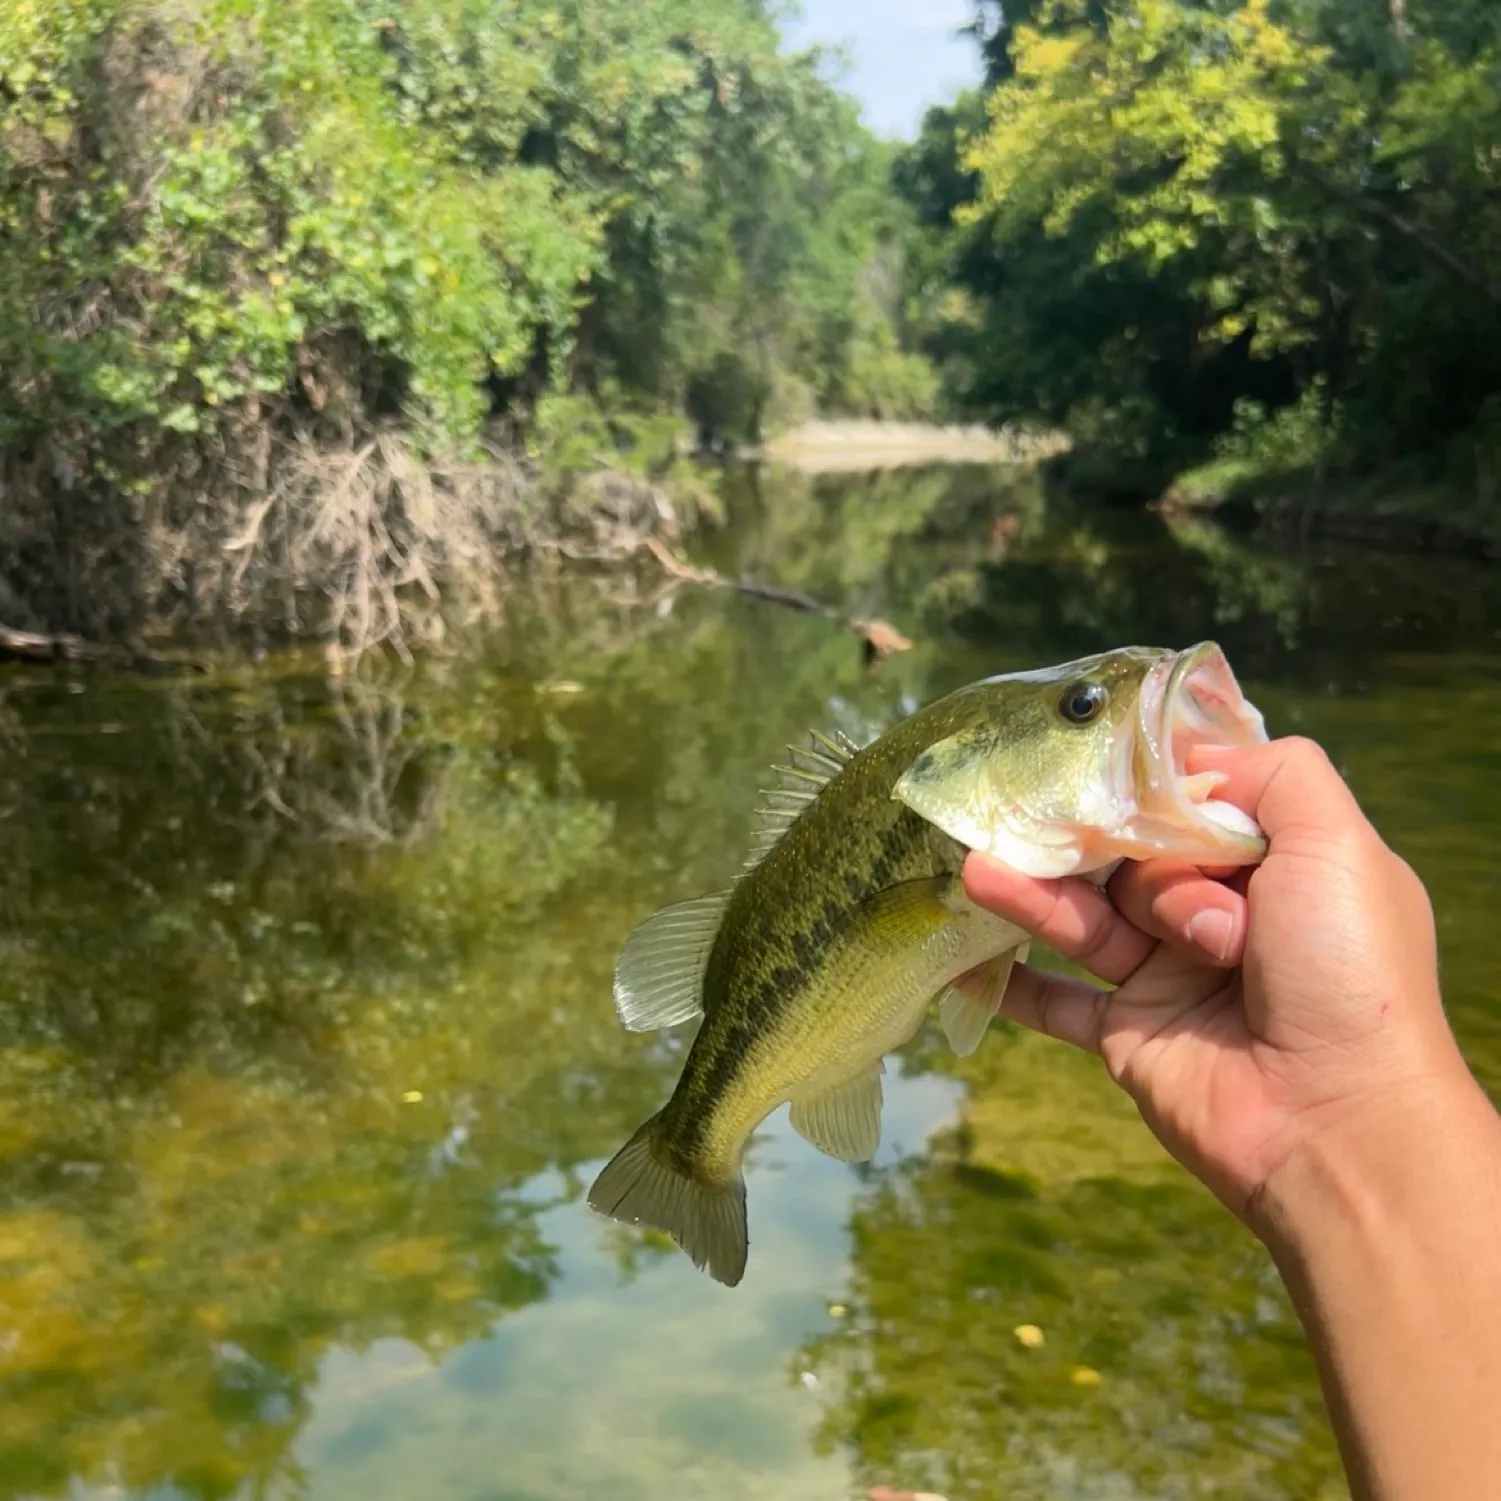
(1281,1031)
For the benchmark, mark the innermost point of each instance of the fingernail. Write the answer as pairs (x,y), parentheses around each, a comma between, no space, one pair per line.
(1213,930)
(1208,756)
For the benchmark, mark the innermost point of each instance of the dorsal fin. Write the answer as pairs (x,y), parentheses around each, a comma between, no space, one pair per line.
(807,770)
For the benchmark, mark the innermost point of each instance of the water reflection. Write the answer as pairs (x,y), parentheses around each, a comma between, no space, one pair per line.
(306,1052)
(1164,1367)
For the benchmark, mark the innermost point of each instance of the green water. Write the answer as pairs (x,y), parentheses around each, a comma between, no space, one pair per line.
(307,1055)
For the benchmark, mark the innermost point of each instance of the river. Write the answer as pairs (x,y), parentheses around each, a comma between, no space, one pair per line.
(307,1055)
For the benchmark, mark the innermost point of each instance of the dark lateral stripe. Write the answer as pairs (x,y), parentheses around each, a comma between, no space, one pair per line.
(730,1037)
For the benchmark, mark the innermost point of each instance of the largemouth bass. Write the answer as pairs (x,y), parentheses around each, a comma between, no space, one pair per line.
(849,917)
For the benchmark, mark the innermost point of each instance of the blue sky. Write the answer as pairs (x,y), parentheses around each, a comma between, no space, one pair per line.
(904,55)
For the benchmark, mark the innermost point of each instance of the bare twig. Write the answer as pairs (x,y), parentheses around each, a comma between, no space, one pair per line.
(879,639)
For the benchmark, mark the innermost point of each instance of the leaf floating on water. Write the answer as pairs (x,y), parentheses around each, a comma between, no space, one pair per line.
(1083,1375)
(837,1310)
(881,639)
(1029,1335)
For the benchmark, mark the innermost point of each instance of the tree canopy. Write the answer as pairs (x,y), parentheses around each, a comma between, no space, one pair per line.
(241,237)
(1169,217)
(202,206)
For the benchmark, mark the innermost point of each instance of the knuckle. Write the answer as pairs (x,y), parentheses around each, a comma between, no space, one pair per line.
(1047,997)
(1099,926)
(1306,755)
(1411,885)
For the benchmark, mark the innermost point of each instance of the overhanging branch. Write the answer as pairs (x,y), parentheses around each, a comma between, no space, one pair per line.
(1435,250)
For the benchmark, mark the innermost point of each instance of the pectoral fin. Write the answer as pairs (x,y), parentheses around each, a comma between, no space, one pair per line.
(844,1122)
(966,1006)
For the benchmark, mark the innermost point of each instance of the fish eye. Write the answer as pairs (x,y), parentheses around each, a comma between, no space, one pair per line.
(1082,702)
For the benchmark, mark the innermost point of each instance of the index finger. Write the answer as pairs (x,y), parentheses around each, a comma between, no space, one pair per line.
(1111,932)
(1070,915)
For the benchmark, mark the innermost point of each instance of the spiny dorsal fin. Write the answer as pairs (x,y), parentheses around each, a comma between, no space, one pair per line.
(807,770)
(659,977)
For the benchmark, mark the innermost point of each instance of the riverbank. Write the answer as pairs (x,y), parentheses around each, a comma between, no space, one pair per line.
(356,547)
(373,544)
(1381,510)
(845,447)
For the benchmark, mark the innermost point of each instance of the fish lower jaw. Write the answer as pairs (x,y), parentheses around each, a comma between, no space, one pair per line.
(1208,833)
(1187,703)
(1045,859)
(1187,812)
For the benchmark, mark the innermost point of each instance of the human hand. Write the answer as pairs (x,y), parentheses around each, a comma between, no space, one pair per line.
(1254,1014)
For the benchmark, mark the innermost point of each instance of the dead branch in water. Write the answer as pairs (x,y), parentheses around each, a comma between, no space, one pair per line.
(36,646)
(39,646)
(877,637)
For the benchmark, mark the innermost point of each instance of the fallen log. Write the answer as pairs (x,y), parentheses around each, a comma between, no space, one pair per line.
(63,646)
(34,646)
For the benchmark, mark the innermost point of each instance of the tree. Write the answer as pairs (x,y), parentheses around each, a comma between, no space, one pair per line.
(240,237)
(1241,202)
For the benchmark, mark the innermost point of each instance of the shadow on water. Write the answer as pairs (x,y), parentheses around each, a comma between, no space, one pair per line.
(307,1056)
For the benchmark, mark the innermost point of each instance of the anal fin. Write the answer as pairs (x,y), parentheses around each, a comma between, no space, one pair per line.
(845,1121)
(966,1006)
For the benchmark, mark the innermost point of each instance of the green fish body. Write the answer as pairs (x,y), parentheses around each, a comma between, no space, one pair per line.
(850,916)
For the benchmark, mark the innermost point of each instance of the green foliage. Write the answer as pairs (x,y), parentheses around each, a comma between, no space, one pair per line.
(238,233)
(263,195)
(196,199)
(1290,437)
(1171,208)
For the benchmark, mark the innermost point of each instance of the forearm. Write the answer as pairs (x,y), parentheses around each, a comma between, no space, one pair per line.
(1388,1235)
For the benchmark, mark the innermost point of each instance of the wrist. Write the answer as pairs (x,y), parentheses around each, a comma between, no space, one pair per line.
(1384,1228)
(1374,1167)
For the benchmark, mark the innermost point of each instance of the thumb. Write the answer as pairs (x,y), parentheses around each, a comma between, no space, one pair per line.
(1285,782)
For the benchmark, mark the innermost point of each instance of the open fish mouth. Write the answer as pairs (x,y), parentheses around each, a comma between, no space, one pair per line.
(1188,700)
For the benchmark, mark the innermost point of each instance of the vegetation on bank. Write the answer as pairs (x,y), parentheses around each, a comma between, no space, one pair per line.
(1253,231)
(307,306)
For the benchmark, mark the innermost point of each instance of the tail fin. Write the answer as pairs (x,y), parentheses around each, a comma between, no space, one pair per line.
(707,1221)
